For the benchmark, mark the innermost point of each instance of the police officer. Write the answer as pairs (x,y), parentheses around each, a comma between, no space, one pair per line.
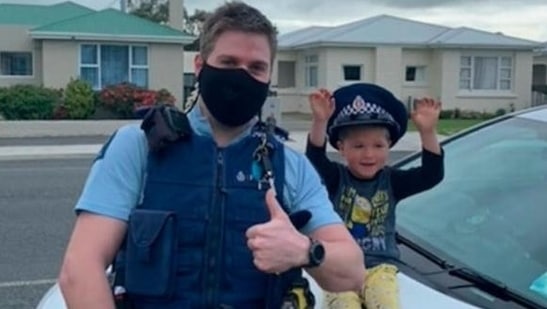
(204,223)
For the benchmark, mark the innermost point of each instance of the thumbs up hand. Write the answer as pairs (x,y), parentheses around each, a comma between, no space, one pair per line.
(277,245)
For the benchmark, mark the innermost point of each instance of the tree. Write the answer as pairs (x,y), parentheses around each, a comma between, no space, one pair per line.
(193,25)
(158,11)
(153,10)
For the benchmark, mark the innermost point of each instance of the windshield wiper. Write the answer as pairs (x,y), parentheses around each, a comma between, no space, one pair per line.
(491,286)
(481,281)
(423,252)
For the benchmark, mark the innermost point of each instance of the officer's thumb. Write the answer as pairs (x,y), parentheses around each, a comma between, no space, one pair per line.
(274,208)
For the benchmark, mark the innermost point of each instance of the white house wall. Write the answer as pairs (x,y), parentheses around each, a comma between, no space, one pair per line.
(336,58)
(283,56)
(452,97)
(166,68)
(524,75)
(540,59)
(389,63)
(430,87)
(61,62)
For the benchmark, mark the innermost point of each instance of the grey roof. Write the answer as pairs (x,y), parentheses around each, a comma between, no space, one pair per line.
(391,30)
(542,50)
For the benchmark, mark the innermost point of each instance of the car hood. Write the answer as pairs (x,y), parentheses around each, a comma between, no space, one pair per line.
(413,295)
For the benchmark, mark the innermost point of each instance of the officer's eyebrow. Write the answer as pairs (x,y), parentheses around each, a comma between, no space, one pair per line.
(259,64)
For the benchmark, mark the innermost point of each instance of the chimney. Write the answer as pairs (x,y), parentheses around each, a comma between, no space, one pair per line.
(176,16)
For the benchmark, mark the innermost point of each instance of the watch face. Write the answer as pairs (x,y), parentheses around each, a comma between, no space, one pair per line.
(318,252)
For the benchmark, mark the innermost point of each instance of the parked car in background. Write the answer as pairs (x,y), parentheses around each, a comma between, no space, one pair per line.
(479,238)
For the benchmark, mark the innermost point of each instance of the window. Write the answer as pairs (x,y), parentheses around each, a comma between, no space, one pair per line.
(486,73)
(415,74)
(311,64)
(104,65)
(352,72)
(189,82)
(285,75)
(16,63)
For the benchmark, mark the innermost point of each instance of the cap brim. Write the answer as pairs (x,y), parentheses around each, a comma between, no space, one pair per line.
(334,131)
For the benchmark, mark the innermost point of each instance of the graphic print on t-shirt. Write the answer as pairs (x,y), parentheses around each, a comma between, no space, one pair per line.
(366,219)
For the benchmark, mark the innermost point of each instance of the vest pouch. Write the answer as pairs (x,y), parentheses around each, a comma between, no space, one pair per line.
(151,253)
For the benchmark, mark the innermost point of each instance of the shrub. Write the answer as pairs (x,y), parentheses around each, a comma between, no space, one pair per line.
(446,114)
(28,102)
(124,99)
(78,100)
(500,112)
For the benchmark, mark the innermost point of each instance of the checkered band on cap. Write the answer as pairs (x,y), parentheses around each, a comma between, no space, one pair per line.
(361,107)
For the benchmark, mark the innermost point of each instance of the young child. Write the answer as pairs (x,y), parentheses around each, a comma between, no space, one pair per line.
(363,122)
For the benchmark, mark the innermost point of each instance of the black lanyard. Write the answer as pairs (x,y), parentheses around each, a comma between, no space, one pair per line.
(261,156)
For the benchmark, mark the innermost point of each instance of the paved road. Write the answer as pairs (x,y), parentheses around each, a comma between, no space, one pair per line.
(36,201)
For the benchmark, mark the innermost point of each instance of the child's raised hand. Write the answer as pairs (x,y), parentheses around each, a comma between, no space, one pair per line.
(321,104)
(426,114)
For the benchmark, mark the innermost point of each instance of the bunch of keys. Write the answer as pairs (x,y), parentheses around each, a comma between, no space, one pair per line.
(262,165)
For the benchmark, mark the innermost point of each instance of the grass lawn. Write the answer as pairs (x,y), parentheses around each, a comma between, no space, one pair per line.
(450,126)
(445,127)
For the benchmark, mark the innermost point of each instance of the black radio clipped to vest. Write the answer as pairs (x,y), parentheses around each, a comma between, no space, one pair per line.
(165,124)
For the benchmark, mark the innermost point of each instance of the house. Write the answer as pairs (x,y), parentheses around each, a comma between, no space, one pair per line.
(465,68)
(539,80)
(49,44)
(540,66)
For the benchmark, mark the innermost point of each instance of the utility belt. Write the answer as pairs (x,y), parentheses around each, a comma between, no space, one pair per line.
(299,296)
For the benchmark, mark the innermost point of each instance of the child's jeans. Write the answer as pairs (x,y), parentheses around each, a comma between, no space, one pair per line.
(380,291)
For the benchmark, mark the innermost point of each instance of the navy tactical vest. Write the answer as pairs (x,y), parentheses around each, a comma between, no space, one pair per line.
(198,202)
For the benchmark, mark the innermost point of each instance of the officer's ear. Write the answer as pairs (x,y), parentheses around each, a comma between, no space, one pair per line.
(198,64)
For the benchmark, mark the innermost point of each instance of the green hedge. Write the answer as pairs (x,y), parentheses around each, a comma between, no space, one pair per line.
(77,101)
(28,102)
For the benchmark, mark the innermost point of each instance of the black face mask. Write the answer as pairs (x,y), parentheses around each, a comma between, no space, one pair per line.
(232,96)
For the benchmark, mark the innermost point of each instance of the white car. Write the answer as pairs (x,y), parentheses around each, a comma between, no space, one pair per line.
(413,295)
(478,239)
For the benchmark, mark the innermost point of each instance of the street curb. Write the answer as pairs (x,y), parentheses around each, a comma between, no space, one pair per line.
(48,151)
(45,156)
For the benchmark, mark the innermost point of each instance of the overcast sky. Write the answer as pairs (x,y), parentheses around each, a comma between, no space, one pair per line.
(521,18)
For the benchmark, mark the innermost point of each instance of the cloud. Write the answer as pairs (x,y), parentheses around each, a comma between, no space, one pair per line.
(521,18)
(418,4)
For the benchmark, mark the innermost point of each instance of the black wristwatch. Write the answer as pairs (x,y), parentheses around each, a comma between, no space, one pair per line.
(316,253)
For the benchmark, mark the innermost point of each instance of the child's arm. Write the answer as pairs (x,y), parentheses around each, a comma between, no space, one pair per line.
(418,179)
(426,116)
(406,183)
(322,109)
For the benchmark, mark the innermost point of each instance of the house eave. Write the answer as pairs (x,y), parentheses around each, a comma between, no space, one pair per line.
(405,45)
(484,46)
(110,37)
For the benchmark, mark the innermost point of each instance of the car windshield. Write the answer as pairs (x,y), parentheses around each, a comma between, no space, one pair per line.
(489,214)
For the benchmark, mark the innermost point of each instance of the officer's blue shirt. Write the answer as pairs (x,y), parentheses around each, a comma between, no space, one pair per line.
(116,179)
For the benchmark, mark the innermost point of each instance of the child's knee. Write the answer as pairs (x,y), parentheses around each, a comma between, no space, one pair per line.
(343,300)
(381,288)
